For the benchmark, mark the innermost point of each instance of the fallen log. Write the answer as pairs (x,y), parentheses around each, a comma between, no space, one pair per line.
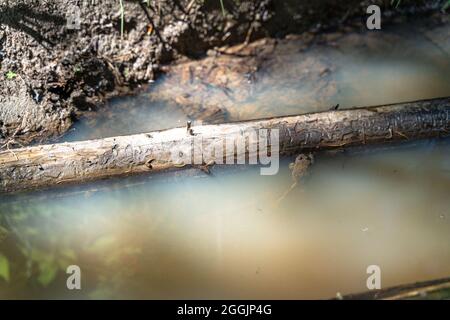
(50,165)
(432,289)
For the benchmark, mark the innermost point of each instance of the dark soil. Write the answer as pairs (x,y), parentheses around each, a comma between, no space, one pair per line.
(51,74)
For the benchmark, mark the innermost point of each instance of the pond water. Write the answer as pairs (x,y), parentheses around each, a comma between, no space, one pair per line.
(402,63)
(232,234)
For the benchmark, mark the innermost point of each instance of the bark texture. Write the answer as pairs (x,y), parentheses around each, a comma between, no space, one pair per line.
(47,165)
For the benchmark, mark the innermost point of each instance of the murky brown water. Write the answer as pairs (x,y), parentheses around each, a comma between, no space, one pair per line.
(228,235)
(399,64)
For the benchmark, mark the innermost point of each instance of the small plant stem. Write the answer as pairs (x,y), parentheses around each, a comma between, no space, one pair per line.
(121,18)
(223,7)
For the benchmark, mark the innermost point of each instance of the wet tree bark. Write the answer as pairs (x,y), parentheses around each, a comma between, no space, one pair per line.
(49,165)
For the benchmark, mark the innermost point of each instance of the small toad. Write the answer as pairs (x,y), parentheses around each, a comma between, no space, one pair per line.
(299,169)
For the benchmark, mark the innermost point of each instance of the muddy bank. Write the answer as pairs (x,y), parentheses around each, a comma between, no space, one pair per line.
(51,74)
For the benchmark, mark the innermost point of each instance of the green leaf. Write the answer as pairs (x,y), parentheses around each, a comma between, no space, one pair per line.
(48,271)
(68,253)
(103,243)
(446,5)
(4,267)
(3,233)
(11,75)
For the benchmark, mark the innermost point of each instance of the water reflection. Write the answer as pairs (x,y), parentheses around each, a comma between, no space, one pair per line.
(128,115)
(402,63)
(227,236)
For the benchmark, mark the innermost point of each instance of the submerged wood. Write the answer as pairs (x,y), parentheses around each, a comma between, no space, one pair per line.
(55,164)
(432,289)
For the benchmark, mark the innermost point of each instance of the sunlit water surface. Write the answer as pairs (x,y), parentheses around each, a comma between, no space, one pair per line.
(399,64)
(232,235)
